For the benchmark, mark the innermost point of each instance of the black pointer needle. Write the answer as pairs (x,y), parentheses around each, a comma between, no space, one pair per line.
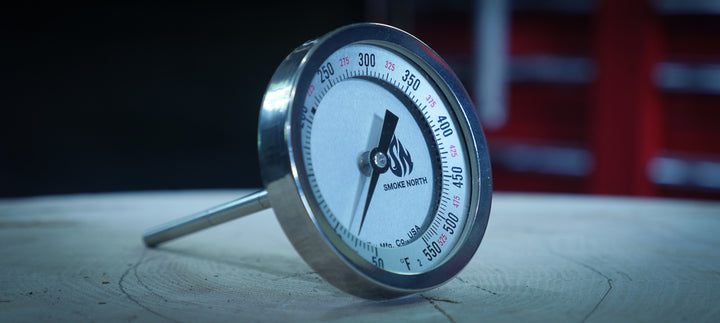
(388,130)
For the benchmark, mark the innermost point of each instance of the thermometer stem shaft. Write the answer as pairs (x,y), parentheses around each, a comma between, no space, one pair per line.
(222,213)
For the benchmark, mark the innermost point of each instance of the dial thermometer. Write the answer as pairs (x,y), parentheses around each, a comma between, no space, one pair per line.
(373,161)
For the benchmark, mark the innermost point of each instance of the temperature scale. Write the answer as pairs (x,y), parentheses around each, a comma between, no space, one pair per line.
(373,161)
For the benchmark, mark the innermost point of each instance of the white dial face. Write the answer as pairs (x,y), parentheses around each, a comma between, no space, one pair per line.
(385,158)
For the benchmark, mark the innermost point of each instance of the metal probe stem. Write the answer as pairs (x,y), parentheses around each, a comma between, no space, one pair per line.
(222,213)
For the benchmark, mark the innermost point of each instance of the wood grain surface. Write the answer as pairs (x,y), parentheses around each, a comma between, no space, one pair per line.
(544,258)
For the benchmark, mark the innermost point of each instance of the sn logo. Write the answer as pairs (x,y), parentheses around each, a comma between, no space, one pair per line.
(400,160)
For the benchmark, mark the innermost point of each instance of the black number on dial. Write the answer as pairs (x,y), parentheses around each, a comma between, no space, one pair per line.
(325,72)
(411,80)
(457,177)
(365,59)
(432,251)
(450,223)
(445,126)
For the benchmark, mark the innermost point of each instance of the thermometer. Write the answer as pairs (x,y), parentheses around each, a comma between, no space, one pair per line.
(373,161)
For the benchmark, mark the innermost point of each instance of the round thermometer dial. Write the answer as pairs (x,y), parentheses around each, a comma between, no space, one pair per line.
(374,161)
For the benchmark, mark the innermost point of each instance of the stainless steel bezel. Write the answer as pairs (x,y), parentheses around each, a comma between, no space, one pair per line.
(286,182)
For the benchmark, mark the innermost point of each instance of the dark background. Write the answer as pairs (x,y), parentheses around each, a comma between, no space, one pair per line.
(599,96)
(106,96)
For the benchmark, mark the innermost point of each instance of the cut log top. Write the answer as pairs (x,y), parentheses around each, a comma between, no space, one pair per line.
(543,258)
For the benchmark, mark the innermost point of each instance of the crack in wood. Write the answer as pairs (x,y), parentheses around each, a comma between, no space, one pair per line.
(432,301)
(133,268)
(608,279)
(478,287)
(36,224)
(142,283)
(624,275)
(294,275)
(438,299)
(486,290)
